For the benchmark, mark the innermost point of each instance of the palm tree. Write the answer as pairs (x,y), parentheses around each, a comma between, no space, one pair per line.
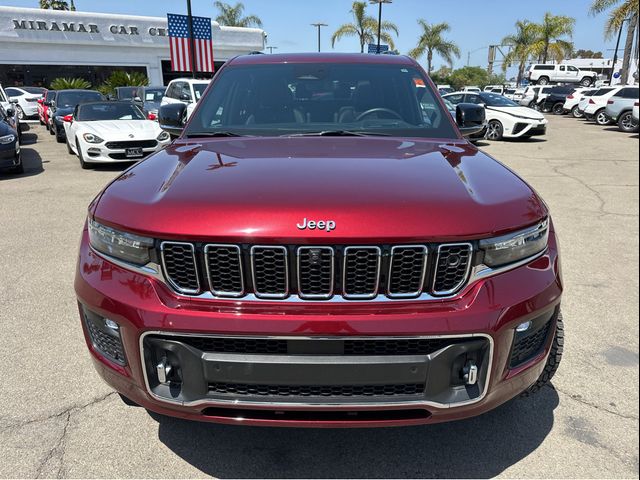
(550,42)
(232,16)
(521,44)
(56,5)
(620,11)
(431,42)
(365,28)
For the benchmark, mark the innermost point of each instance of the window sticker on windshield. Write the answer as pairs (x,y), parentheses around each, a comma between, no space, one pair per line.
(149,96)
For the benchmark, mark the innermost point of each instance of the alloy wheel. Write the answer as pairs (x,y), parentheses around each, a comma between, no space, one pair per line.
(601,118)
(626,122)
(494,130)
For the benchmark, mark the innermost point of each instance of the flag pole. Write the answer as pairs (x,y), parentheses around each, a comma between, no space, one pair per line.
(192,46)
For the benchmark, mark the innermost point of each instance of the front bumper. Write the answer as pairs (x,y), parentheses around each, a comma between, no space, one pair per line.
(523,128)
(297,387)
(99,153)
(9,156)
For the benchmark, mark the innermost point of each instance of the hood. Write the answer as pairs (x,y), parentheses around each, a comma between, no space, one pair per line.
(520,112)
(374,190)
(123,129)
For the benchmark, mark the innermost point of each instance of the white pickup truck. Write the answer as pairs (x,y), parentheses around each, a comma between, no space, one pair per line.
(544,74)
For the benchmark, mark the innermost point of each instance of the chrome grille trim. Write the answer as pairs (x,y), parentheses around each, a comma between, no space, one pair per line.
(268,295)
(303,295)
(173,284)
(374,293)
(222,293)
(425,261)
(464,280)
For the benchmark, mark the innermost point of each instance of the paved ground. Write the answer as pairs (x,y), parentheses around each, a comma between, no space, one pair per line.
(58,419)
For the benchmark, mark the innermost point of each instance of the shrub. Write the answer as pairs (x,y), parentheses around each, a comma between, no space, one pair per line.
(120,78)
(69,83)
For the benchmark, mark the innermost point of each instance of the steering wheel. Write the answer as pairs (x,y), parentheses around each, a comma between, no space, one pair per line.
(376,110)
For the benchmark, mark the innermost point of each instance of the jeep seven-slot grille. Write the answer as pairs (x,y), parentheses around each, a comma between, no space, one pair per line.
(316,272)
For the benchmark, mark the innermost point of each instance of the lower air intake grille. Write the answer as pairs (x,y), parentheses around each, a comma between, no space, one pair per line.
(316,390)
(179,262)
(452,268)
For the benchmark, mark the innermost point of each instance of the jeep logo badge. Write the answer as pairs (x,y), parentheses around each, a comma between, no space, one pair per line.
(327,225)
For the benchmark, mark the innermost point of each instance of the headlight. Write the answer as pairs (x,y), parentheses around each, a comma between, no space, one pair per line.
(122,245)
(7,139)
(516,246)
(91,138)
(163,136)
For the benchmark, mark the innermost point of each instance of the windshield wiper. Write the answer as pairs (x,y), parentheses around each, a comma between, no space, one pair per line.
(213,134)
(338,133)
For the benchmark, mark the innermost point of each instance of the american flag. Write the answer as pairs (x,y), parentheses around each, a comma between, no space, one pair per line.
(180,46)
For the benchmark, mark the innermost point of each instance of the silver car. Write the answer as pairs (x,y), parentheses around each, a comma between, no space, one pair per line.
(619,109)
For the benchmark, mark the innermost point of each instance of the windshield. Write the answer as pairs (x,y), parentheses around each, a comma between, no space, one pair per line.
(36,90)
(109,111)
(153,95)
(71,99)
(284,99)
(493,100)
(199,89)
(126,93)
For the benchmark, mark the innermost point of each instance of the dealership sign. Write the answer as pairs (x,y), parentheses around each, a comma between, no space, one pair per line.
(79,27)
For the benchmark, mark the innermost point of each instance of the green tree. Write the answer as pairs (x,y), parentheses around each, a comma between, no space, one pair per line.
(466,76)
(522,46)
(587,54)
(431,42)
(69,83)
(365,28)
(551,42)
(619,11)
(120,78)
(232,16)
(441,75)
(57,5)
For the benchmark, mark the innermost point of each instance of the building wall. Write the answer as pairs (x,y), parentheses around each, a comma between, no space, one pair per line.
(31,36)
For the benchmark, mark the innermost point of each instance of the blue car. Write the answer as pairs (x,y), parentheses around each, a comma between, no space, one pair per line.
(9,143)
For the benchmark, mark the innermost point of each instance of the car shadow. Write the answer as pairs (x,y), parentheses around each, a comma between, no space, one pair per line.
(479,447)
(525,140)
(33,165)
(28,138)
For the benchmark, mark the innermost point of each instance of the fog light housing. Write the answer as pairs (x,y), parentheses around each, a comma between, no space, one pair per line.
(105,337)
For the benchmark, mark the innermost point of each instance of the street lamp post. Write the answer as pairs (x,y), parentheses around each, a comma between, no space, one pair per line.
(319,26)
(379,2)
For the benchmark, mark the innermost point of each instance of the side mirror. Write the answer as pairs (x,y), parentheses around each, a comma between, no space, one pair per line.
(470,118)
(172,118)
(68,118)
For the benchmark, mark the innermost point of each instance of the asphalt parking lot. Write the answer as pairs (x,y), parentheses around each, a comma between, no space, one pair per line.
(59,420)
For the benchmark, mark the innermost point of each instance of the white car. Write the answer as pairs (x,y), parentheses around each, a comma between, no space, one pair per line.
(572,103)
(26,99)
(505,118)
(9,106)
(107,132)
(473,89)
(533,94)
(594,107)
(634,113)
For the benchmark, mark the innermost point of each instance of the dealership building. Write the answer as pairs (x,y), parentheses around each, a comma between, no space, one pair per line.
(37,46)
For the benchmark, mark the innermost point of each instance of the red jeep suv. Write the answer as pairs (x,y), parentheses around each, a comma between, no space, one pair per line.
(320,246)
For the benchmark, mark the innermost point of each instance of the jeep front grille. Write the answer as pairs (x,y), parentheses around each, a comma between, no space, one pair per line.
(316,272)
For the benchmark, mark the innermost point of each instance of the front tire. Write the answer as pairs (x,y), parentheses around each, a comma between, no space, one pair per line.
(553,361)
(558,108)
(84,165)
(69,150)
(495,130)
(601,118)
(626,124)
(19,112)
(575,111)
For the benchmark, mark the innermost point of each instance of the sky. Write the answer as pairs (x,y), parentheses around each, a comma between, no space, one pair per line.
(474,24)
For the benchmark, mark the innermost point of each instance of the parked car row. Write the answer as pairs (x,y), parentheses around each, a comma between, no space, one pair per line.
(605,105)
